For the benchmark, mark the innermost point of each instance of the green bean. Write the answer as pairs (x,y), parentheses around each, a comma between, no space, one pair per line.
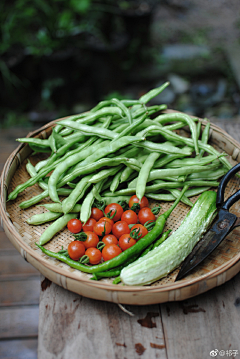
(205,137)
(36,199)
(164,148)
(32,172)
(152,93)
(56,227)
(126,174)
(41,218)
(44,172)
(207,175)
(183,118)
(103,162)
(64,165)
(87,203)
(35,141)
(124,109)
(144,173)
(165,197)
(40,165)
(115,182)
(119,128)
(104,151)
(176,193)
(150,110)
(90,117)
(124,256)
(198,129)
(131,127)
(76,194)
(90,130)
(33,200)
(167,158)
(116,199)
(59,127)
(54,160)
(169,134)
(162,173)
(103,174)
(57,207)
(193,161)
(55,141)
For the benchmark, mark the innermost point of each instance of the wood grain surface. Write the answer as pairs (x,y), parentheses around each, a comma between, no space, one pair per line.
(19,284)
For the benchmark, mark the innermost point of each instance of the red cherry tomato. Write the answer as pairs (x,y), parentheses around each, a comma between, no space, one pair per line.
(96,213)
(138,231)
(92,240)
(107,219)
(120,228)
(88,226)
(110,239)
(94,255)
(114,208)
(110,251)
(74,225)
(129,216)
(126,241)
(143,203)
(76,250)
(145,214)
(101,228)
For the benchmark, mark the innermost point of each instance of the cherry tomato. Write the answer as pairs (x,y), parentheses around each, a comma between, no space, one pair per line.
(110,251)
(129,216)
(76,250)
(143,203)
(126,241)
(112,208)
(74,225)
(120,228)
(96,213)
(101,228)
(138,231)
(92,240)
(145,214)
(107,219)
(88,226)
(110,239)
(94,255)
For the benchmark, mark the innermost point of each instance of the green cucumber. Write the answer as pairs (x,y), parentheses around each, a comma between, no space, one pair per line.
(162,260)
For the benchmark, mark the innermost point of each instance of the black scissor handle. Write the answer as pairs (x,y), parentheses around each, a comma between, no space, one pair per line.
(221,188)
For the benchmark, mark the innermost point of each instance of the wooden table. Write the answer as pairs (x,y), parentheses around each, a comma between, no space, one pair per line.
(71,326)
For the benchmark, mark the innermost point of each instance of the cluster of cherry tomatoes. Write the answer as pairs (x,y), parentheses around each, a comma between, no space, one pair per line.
(107,233)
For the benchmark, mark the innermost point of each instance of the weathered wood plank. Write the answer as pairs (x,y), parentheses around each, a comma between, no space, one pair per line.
(19,322)
(71,326)
(18,349)
(14,266)
(204,323)
(5,244)
(20,292)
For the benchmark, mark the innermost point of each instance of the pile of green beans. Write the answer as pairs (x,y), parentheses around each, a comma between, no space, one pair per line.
(117,149)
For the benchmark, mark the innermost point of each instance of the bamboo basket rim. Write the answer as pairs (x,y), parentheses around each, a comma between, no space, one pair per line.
(24,248)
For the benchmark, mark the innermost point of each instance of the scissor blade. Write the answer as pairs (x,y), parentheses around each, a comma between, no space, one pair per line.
(209,242)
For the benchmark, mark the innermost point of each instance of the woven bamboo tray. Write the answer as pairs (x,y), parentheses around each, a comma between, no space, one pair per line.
(218,268)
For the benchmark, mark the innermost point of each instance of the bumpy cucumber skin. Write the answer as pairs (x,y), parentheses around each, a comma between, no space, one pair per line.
(162,260)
